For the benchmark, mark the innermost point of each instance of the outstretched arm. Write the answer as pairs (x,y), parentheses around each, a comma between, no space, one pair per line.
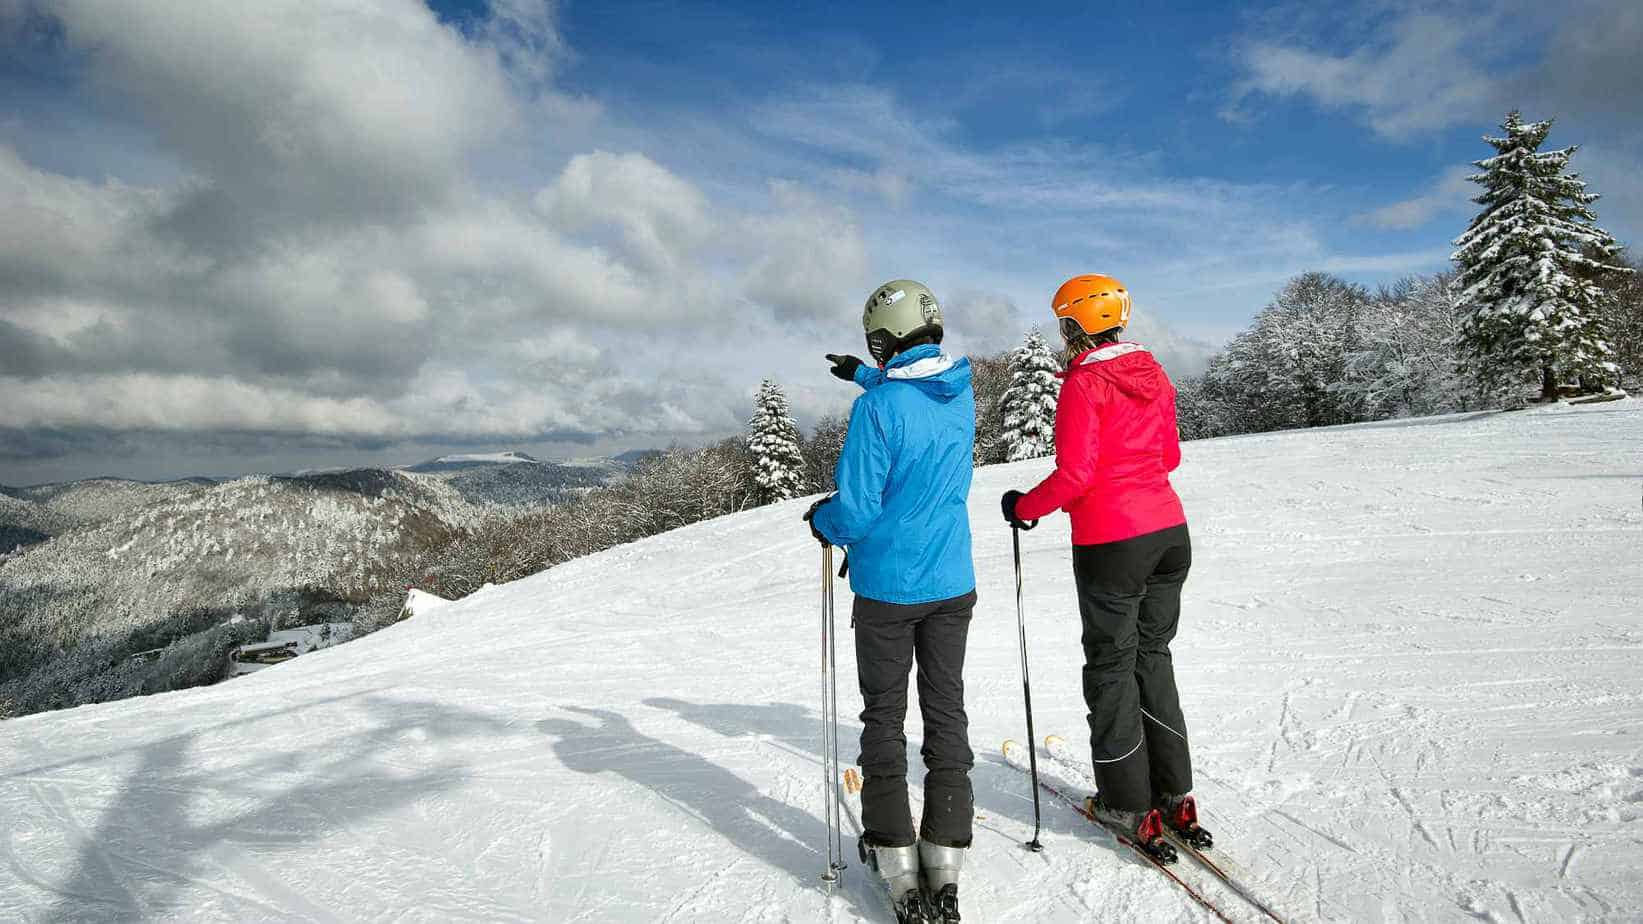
(852,369)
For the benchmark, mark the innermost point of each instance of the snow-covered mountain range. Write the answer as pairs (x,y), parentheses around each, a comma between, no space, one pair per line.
(1408,661)
(506,478)
(93,572)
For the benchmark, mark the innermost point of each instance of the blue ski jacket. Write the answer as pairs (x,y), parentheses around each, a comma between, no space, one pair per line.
(904,480)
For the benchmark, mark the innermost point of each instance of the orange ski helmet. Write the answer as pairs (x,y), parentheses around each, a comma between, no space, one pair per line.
(1091,304)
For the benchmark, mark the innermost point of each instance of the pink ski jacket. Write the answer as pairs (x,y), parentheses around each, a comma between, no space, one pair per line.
(1115,445)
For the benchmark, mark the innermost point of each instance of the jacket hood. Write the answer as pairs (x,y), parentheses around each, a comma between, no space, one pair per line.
(931,371)
(1130,367)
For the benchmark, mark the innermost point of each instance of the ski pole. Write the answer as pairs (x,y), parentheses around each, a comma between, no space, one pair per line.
(830,730)
(1026,689)
(833,715)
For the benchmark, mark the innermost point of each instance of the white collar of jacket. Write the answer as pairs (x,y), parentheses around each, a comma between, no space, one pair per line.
(921,369)
(1110,352)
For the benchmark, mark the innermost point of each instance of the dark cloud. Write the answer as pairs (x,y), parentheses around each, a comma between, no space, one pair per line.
(46,443)
(1592,66)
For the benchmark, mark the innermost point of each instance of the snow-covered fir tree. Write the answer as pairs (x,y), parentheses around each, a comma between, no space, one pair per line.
(1029,402)
(1528,305)
(773,439)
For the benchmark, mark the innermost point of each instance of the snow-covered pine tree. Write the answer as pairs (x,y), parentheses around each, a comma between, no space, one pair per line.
(1029,402)
(773,439)
(1528,307)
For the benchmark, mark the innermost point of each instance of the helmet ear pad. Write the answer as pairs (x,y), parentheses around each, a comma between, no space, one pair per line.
(883,345)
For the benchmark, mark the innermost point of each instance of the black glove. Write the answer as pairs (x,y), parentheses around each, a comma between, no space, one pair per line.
(1010,499)
(844,366)
(810,517)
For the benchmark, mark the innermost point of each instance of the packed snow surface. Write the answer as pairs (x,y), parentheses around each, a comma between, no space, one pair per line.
(1409,658)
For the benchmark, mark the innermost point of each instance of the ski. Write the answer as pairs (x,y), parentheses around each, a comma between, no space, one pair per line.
(1057,749)
(1613,395)
(1015,755)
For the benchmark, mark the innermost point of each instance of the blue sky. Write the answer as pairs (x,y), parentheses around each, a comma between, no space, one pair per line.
(360,231)
(1153,103)
(1158,96)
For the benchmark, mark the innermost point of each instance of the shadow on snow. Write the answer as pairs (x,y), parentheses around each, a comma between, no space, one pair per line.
(150,842)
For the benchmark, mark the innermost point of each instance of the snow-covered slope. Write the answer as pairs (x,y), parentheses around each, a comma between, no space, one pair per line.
(1409,660)
(98,500)
(25,522)
(174,567)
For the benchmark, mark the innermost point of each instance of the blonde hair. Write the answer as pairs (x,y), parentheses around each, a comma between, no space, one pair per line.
(1082,342)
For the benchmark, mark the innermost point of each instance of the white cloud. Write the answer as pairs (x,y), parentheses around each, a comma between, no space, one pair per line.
(1416,74)
(1180,355)
(1408,70)
(332,249)
(662,219)
(983,323)
(333,264)
(810,254)
(1447,196)
(323,106)
(57,228)
(182,402)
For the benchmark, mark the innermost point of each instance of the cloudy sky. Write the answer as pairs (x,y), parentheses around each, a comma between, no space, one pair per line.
(240,237)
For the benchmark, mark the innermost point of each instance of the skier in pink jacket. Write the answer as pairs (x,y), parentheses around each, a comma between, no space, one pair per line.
(1115,446)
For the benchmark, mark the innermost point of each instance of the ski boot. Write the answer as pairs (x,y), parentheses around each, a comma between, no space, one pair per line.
(939,867)
(898,867)
(1143,829)
(1181,816)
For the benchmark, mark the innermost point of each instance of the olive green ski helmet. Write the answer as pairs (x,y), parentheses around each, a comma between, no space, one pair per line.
(899,311)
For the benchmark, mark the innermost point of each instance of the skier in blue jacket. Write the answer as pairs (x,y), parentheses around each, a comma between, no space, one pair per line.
(903,485)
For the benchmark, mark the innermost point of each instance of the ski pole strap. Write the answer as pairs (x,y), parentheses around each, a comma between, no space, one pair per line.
(844,569)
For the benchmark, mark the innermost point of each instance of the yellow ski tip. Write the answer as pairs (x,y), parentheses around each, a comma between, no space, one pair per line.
(1009,743)
(852,781)
(1051,741)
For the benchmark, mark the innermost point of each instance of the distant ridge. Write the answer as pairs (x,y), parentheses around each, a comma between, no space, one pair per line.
(636,456)
(464,460)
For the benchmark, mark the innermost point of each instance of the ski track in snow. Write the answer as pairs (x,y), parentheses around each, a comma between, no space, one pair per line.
(1409,659)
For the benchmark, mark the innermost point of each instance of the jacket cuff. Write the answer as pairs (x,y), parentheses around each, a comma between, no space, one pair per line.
(820,521)
(1032,505)
(869,377)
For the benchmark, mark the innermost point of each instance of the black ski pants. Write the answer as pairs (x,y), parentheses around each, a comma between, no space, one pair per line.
(1129,597)
(889,637)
